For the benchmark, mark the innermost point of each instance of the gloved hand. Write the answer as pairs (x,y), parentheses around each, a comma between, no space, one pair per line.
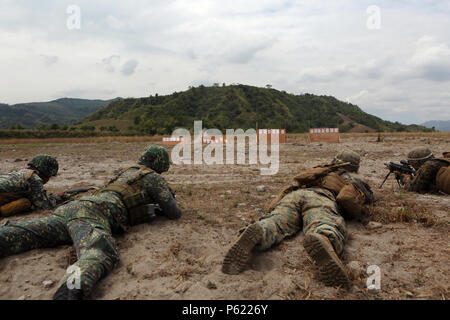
(364,218)
(59,197)
(172,192)
(402,177)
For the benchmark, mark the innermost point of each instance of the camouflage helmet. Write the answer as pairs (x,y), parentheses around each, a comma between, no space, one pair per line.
(348,156)
(46,165)
(156,158)
(418,156)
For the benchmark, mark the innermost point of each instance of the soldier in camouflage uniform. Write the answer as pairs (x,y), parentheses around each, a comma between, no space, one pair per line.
(313,209)
(29,183)
(427,167)
(90,222)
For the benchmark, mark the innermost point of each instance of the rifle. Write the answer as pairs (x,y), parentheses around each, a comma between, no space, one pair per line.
(68,194)
(403,167)
(74,192)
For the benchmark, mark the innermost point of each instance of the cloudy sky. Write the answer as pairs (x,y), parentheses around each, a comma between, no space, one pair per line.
(390,57)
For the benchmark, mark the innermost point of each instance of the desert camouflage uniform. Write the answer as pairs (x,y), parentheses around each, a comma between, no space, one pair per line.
(89,224)
(425,178)
(314,204)
(314,210)
(33,188)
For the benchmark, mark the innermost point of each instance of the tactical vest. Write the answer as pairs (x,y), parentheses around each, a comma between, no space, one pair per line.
(133,195)
(12,203)
(443,177)
(326,177)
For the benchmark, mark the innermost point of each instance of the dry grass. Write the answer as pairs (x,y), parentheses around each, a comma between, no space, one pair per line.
(394,207)
(174,249)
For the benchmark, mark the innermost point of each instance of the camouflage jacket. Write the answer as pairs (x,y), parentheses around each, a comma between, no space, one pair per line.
(31,188)
(425,179)
(153,184)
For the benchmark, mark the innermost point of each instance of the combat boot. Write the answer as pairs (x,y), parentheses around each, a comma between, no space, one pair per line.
(64,293)
(237,257)
(332,270)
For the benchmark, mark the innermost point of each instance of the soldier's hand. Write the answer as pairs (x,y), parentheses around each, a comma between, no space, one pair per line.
(364,217)
(402,177)
(59,197)
(55,197)
(172,192)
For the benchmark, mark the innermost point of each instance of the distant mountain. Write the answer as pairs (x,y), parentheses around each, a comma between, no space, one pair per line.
(240,106)
(62,111)
(438,125)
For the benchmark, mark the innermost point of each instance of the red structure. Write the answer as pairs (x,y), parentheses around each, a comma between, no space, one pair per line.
(330,135)
(266,135)
(172,141)
(262,135)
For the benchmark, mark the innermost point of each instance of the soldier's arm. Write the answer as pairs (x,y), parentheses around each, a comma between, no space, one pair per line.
(38,195)
(161,193)
(425,178)
(355,197)
(403,177)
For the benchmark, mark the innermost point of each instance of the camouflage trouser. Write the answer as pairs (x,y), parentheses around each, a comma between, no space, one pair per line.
(82,223)
(311,208)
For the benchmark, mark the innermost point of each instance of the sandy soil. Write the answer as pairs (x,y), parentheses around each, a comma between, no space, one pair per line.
(182,259)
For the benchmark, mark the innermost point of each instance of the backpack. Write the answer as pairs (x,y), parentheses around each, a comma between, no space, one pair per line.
(325,176)
(443,179)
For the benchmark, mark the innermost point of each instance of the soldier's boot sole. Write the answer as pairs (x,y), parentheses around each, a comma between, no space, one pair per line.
(331,269)
(239,254)
(64,293)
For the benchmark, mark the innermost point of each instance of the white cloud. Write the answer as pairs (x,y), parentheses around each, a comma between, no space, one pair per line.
(432,59)
(49,60)
(129,67)
(111,62)
(399,72)
(114,22)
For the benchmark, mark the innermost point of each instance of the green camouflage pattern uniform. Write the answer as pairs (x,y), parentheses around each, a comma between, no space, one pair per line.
(314,210)
(425,179)
(33,188)
(89,223)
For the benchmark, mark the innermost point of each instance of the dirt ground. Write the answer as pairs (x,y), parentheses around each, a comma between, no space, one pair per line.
(182,259)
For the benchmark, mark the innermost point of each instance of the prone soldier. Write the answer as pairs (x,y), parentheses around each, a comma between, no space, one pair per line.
(23,189)
(317,203)
(432,174)
(90,222)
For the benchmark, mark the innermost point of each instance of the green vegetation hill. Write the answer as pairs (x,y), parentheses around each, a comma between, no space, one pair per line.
(240,106)
(62,111)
